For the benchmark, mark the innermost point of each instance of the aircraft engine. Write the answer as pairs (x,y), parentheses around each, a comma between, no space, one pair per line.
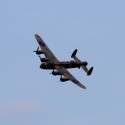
(44,59)
(38,52)
(63,79)
(56,73)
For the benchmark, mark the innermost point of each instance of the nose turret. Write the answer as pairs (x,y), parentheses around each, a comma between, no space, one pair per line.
(43,66)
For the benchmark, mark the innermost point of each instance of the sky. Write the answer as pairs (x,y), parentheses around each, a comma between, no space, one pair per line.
(31,96)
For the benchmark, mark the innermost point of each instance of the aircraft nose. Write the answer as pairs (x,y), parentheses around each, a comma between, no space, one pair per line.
(43,66)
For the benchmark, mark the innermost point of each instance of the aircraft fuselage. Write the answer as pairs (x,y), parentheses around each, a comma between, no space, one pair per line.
(66,64)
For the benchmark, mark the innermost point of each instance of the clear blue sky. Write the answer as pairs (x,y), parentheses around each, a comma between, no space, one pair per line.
(31,96)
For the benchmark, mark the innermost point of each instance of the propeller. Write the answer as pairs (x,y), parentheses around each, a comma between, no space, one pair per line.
(36,50)
(52,72)
(60,78)
(40,57)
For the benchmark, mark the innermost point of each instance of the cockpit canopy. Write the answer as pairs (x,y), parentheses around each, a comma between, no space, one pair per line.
(72,61)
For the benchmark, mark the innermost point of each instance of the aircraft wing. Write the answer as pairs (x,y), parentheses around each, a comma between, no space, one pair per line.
(68,75)
(47,52)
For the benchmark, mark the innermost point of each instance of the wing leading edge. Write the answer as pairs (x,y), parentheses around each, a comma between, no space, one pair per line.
(68,75)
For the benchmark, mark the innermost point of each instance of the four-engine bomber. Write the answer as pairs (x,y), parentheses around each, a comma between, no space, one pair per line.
(60,67)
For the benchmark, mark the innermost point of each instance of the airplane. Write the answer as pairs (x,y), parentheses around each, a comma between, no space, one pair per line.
(60,67)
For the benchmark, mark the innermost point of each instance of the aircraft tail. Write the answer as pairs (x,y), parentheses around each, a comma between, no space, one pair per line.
(74,53)
(88,71)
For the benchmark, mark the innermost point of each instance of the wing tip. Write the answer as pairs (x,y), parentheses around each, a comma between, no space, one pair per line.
(78,83)
(38,38)
(36,35)
(83,87)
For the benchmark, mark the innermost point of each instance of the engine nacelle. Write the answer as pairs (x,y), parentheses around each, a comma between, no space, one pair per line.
(44,59)
(56,73)
(38,52)
(63,79)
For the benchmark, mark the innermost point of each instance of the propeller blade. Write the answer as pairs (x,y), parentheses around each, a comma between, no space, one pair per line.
(40,57)
(37,48)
